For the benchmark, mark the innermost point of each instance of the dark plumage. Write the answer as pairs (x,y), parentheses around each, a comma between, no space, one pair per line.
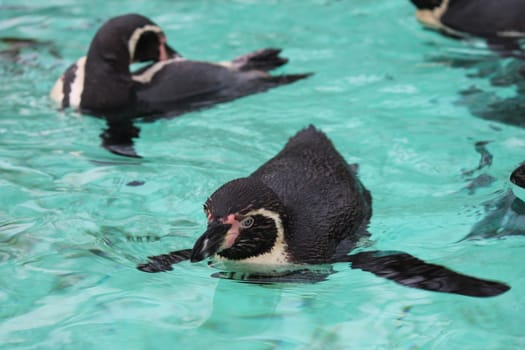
(312,189)
(102,84)
(517,178)
(325,202)
(499,22)
(305,206)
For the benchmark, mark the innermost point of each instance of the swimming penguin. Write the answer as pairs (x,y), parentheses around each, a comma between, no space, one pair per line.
(506,214)
(517,178)
(499,22)
(304,208)
(102,84)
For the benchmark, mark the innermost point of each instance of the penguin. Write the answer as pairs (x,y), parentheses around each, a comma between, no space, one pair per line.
(101,83)
(500,23)
(305,208)
(506,214)
(517,179)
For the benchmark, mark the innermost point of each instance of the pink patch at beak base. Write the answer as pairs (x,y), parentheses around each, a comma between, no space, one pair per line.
(163,55)
(233,232)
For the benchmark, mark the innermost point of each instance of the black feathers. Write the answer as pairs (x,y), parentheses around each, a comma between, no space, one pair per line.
(413,272)
(325,201)
(243,195)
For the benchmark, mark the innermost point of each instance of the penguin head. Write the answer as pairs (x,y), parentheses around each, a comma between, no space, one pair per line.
(517,178)
(130,38)
(427,4)
(245,220)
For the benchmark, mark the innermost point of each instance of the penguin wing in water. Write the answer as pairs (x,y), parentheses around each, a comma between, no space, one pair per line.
(399,267)
(160,263)
(412,272)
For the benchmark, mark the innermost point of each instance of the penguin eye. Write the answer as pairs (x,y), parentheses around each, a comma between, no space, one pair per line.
(247,222)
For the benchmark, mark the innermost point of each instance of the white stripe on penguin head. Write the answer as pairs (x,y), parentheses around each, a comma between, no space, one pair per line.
(132,43)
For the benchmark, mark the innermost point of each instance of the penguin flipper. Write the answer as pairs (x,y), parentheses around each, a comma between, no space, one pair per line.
(118,138)
(412,272)
(160,263)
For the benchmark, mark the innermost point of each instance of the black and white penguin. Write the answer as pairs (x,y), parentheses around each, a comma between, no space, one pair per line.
(101,82)
(505,215)
(499,22)
(305,207)
(517,178)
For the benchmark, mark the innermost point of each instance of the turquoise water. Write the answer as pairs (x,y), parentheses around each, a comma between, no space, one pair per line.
(72,228)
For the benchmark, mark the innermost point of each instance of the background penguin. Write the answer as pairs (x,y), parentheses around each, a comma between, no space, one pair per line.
(303,207)
(101,83)
(505,215)
(499,22)
(517,178)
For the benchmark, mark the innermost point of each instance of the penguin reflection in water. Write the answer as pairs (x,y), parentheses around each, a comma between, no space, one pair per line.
(101,83)
(299,212)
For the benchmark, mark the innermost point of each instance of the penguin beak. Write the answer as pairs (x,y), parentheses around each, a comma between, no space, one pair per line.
(171,53)
(210,242)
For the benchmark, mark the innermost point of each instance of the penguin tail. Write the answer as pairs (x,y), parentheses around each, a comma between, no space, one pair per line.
(263,59)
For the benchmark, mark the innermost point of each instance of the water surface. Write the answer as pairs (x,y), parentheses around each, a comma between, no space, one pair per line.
(406,104)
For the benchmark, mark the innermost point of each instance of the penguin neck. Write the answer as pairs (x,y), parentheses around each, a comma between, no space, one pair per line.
(108,86)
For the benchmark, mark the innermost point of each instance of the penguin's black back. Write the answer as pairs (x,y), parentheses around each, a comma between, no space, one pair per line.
(326,204)
(485,18)
(184,79)
(184,85)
